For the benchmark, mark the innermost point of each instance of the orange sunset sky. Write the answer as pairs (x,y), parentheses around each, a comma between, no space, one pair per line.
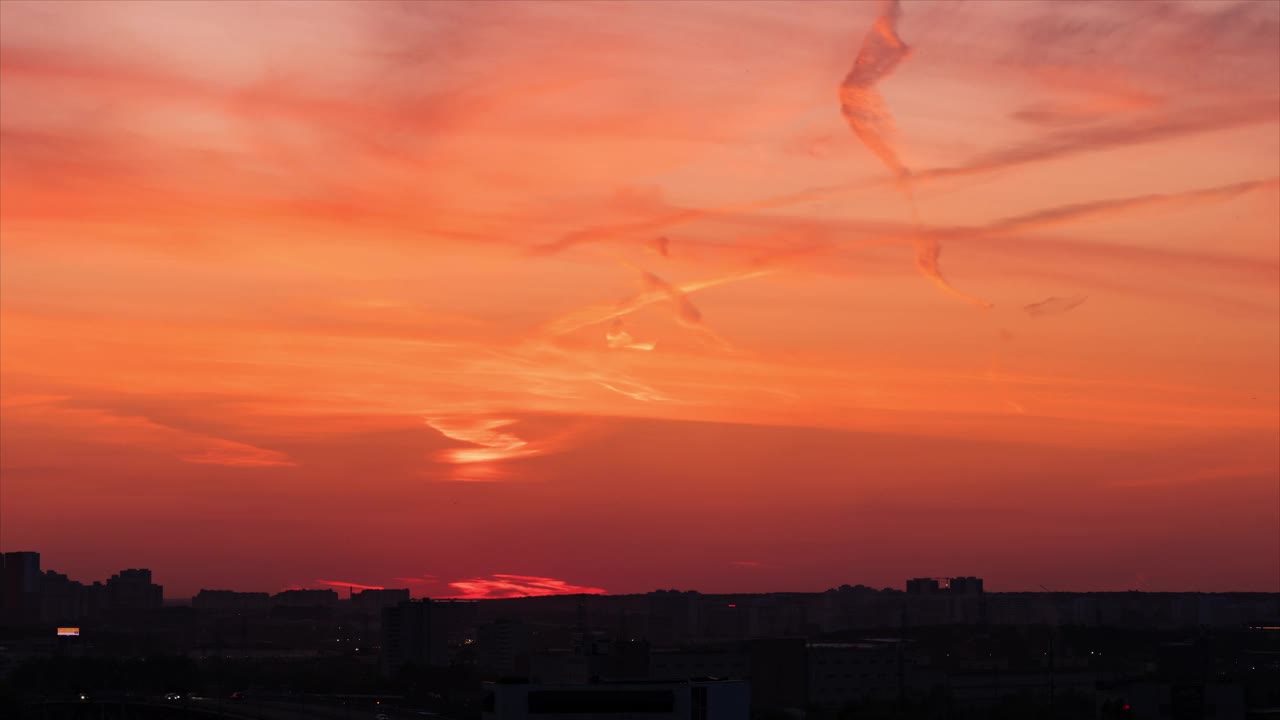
(509,298)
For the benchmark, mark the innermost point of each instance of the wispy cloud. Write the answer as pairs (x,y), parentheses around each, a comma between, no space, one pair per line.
(497,445)
(121,427)
(510,586)
(416,579)
(494,444)
(350,585)
(618,337)
(633,390)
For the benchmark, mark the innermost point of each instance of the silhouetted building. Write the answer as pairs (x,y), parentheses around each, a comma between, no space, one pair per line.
(706,699)
(61,598)
(20,586)
(231,601)
(779,673)
(301,598)
(627,660)
(923,586)
(681,664)
(131,590)
(459,619)
(503,646)
(371,602)
(724,619)
(841,673)
(673,615)
(966,586)
(594,655)
(1158,700)
(414,632)
(948,586)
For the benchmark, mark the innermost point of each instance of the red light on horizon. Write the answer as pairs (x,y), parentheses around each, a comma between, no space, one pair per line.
(509,586)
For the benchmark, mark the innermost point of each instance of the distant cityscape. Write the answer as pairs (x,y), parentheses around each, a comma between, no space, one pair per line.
(936,643)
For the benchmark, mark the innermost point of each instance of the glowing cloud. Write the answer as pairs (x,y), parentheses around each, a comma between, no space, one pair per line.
(495,444)
(633,390)
(617,337)
(510,586)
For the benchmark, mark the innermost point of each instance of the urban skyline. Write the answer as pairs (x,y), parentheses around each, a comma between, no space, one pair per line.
(935,647)
(507,587)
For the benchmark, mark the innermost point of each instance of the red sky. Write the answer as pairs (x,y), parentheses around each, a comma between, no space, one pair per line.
(508,298)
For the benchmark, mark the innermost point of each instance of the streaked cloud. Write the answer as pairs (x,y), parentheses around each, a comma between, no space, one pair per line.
(122,428)
(416,579)
(509,586)
(349,585)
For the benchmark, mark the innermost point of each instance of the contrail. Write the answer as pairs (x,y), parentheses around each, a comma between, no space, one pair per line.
(686,312)
(600,313)
(1054,305)
(927,252)
(1082,211)
(861,104)
(1054,147)
(1060,215)
(868,116)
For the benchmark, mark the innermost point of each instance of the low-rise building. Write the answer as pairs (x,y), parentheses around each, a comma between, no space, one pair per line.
(689,700)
